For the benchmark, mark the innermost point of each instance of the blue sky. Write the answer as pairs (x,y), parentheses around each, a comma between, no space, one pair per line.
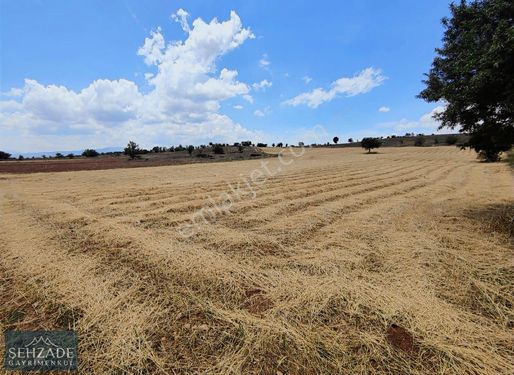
(76,74)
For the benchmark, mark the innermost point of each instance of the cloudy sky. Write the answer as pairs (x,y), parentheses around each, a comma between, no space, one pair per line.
(95,73)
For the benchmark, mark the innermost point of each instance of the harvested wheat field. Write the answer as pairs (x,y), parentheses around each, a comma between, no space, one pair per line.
(333,262)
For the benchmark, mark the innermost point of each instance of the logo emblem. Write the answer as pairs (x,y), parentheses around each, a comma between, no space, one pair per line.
(40,350)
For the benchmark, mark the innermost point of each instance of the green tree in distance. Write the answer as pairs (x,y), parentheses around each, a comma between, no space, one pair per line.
(4,155)
(370,143)
(89,153)
(132,149)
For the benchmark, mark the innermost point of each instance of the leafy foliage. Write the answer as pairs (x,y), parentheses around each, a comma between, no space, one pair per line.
(132,149)
(370,143)
(90,153)
(474,74)
(4,155)
(218,149)
(336,139)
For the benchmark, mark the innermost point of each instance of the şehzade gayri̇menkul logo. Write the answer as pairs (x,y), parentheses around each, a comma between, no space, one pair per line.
(40,350)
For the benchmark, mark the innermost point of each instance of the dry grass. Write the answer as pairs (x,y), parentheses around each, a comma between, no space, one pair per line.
(344,263)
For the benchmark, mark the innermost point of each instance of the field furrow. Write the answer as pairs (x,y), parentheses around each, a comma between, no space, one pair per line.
(306,276)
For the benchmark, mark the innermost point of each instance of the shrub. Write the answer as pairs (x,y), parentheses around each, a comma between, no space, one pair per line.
(262,145)
(20,157)
(132,149)
(4,155)
(451,140)
(218,149)
(350,140)
(370,143)
(70,156)
(419,141)
(335,139)
(240,148)
(88,153)
(190,149)
(58,155)
(280,144)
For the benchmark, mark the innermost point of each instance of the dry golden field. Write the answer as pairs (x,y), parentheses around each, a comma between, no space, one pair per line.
(399,262)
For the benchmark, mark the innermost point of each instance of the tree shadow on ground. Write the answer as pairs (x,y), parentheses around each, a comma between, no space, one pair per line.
(495,217)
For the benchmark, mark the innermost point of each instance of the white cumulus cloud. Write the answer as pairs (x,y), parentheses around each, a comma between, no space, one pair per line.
(262,85)
(182,105)
(384,109)
(425,124)
(361,83)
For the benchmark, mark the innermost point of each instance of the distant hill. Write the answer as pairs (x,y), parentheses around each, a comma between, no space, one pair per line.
(52,153)
(409,141)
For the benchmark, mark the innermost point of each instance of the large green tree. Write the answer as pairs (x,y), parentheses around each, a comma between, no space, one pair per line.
(473,74)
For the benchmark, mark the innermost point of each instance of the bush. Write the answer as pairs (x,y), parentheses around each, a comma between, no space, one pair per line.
(88,153)
(218,149)
(132,149)
(70,156)
(4,155)
(240,148)
(336,139)
(190,149)
(370,143)
(20,157)
(58,155)
(262,145)
(350,140)
(419,141)
(451,140)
